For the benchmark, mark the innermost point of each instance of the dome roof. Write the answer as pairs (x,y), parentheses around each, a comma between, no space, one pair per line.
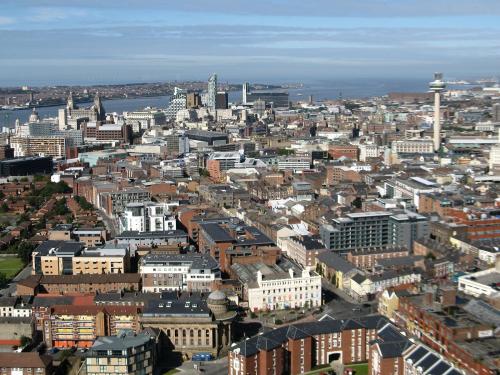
(217,296)
(34,116)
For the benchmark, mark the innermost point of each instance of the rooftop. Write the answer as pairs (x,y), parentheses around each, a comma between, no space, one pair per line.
(193,260)
(123,341)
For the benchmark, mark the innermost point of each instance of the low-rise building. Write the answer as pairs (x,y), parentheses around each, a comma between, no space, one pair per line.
(367,258)
(192,322)
(481,284)
(15,307)
(133,239)
(25,364)
(67,284)
(366,286)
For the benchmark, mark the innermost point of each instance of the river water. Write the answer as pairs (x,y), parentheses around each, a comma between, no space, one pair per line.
(320,91)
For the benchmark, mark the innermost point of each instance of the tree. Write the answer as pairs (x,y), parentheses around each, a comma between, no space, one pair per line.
(358,202)
(4,208)
(24,250)
(3,280)
(25,340)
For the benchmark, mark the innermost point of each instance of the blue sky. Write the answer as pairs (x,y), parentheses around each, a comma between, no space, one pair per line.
(89,41)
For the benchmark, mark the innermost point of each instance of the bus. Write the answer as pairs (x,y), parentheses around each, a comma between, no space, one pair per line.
(202,357)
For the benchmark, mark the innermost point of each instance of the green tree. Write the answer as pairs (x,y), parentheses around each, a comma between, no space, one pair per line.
(3,280)
(24,250)
(25,340)
(358,202)
(4,208)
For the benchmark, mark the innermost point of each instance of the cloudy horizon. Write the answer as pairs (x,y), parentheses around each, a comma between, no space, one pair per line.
(88,42)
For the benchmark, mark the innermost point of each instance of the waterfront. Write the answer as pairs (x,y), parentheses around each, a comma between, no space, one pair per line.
(357,88)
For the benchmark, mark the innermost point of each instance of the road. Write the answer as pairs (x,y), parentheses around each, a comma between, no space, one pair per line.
(217,367)
(109,223)
(341,306)
(11,289)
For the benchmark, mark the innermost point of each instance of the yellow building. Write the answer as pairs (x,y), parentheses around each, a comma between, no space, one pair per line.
(70,258)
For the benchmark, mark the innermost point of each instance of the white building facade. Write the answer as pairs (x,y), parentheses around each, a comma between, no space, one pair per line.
(148,217)
(287,290)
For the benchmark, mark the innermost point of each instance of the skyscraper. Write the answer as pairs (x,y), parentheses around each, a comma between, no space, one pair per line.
(212,92)
(246,90)
(437,86)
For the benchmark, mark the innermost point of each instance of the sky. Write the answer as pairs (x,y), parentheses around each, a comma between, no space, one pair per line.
(44,42)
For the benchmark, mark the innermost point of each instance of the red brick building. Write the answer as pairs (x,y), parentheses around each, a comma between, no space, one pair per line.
(298,348)
(348,151)
(367,258)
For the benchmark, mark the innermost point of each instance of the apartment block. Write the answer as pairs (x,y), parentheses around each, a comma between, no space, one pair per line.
(126,353)
(179,272)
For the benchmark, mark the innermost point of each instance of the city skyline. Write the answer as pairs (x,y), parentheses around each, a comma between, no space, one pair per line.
(87,42)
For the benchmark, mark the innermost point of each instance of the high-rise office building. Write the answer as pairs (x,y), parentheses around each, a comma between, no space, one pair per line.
(178,101)
(221,100)
(496,112)
(193,100)
(212,92)
(246,90)
(277,99)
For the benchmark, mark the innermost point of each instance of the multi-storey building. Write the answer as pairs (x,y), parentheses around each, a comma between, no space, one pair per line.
(56,147)
(115,202)
(148,217)
(79,326)
(192,322)
(297,348)
(107,260)
(29,165)
(102,133)
(216,239)
(294,163)
(146,118)
(303,249)
(280,286)
(343,151)
(367,258)
(179,272)
(363,230)
(128,353)
(447,328)
(55,257)
(66,284)
(410,188)
(134,239)
(413,146)
(420,360)
(70,258)
(177,103)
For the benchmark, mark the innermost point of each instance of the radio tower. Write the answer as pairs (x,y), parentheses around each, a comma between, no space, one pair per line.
(437,86)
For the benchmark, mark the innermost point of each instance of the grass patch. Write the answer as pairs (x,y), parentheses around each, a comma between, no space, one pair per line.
(10,266)
(171,372)
(360,368)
